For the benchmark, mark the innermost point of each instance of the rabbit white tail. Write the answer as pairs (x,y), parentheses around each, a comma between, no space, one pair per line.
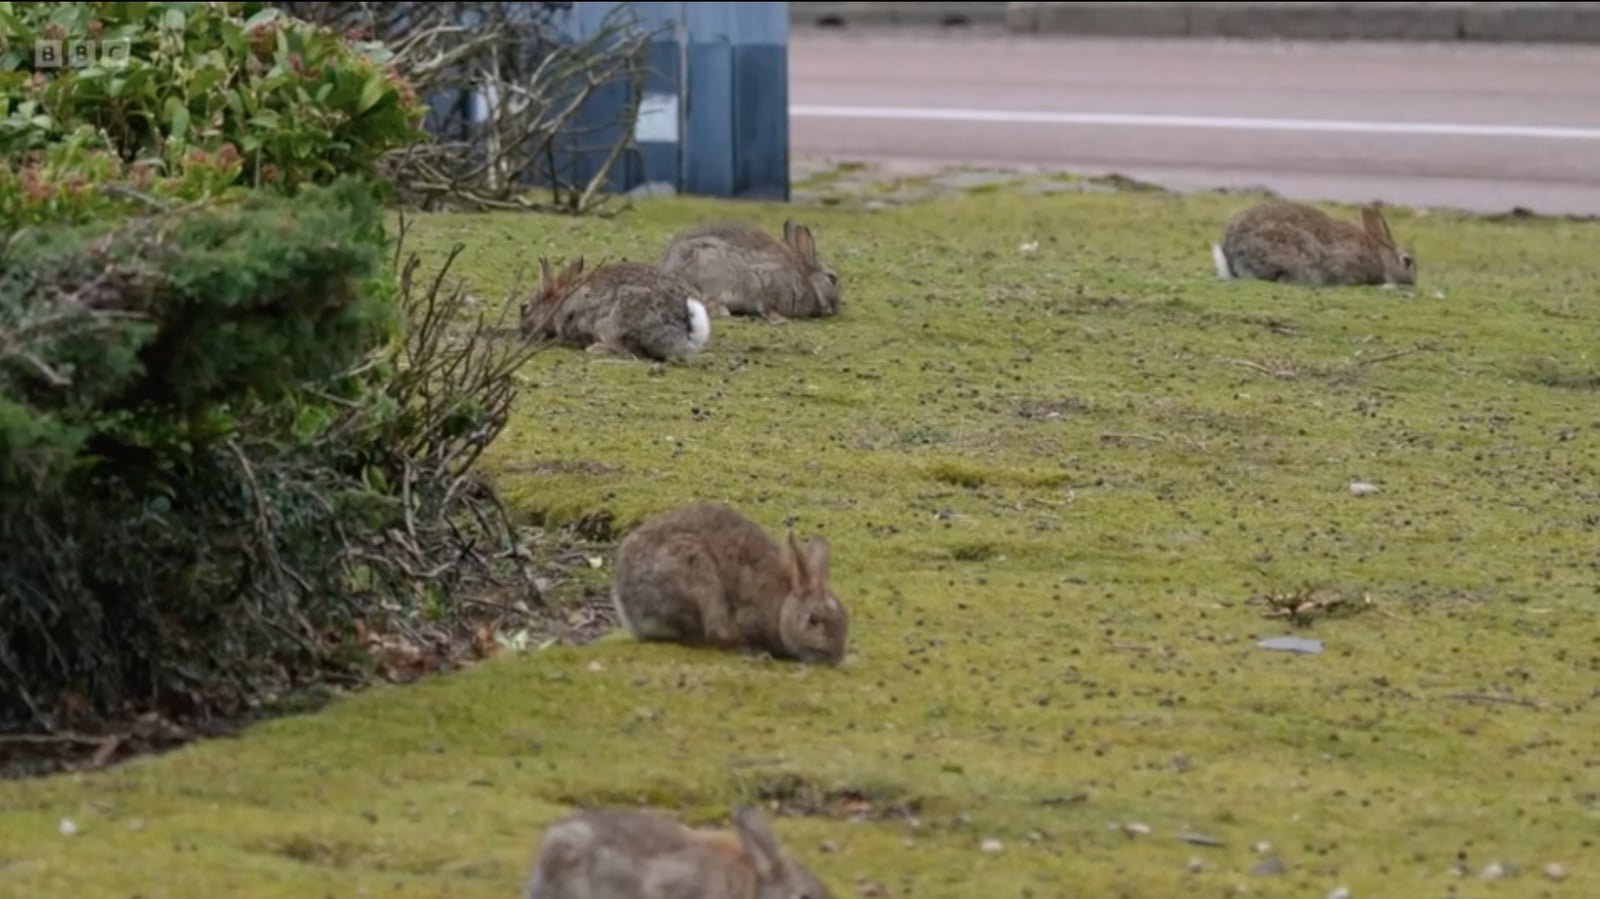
(1220,260)
(699,324)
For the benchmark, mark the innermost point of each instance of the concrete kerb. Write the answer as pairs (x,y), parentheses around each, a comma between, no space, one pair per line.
(1494,22)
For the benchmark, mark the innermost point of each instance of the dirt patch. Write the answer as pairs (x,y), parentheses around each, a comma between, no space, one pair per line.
(796,795)
(1040,409)
(311,851)
(563,466)
(1559,374)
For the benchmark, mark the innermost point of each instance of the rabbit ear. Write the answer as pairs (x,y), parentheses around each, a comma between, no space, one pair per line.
(759,843)
(799,575)
(1372,218)
(547,281)
(574,269)
(817,561)
(788,231)
(805,245)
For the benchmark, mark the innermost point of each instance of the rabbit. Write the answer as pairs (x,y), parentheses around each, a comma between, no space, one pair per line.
(613,853)
(740,269)
(702,574)
(1284,241)
(621,308)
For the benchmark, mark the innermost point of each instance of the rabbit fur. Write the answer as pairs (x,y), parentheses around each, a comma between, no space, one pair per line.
(702,574)
(1283,241)
(611,853)
(619,308)
(740,269)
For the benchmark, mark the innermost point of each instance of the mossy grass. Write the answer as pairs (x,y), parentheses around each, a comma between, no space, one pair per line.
(1054,478)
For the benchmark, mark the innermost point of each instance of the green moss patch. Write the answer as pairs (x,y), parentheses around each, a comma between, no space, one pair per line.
(1059,464)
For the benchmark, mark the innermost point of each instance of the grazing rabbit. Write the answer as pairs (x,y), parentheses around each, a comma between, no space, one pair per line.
(620,308)
(626,854)
(1282,241)
(742,270)
(704,575)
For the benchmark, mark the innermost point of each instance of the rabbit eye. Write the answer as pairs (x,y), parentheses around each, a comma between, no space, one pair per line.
(812,621)
(834,280)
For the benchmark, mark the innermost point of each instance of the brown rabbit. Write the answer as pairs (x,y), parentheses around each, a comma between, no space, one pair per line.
(704,575)
(742,270)
(619,308)
(1282,241)
(628,854)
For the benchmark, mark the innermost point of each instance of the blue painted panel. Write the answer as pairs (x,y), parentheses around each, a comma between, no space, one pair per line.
(584,19)
(737,23)
(708,130)
(761,121)
(658,161)
(443,108)
(734,138)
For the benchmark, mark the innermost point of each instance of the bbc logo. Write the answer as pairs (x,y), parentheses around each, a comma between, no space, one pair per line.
(57,54)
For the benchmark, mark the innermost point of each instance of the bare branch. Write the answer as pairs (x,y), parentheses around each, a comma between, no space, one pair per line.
(536,115)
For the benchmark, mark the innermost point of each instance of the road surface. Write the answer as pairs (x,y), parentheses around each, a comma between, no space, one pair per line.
(1480,127)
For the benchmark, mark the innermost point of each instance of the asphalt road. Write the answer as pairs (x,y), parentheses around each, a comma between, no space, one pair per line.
(1480,127)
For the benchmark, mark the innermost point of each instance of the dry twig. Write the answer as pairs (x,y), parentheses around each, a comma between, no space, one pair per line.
(539,92)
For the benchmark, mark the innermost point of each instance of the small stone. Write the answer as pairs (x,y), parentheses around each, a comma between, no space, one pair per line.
(136,824)
(596,666)
(1196,865)
(990,845)
(1555,871)
(870,889)
(1135,829)
(1340,893)
(1362,488)
(1269,866)
(1261,847)
(829,846)
(67,827)
(1493,871)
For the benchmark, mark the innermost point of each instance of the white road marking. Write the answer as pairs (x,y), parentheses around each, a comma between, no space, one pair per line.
(1237,123)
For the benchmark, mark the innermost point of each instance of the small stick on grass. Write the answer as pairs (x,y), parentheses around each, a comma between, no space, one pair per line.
(1490,697)
(1385,357)
(1284,373)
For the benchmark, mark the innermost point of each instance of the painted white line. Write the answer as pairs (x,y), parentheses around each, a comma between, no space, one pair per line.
(1019,117)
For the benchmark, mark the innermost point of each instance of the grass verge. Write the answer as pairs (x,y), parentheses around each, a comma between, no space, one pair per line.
(1060,466)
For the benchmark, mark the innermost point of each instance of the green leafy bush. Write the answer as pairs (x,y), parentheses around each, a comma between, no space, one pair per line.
(105,329)
(208,96)
(235,442)
(142,499)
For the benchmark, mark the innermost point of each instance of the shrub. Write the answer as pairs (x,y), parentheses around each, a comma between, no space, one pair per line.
(217,483)
(174,317)
(129,352)
(211,95)
(236,441)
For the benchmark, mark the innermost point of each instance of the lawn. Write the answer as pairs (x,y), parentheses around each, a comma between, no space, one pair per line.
(1061,467)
